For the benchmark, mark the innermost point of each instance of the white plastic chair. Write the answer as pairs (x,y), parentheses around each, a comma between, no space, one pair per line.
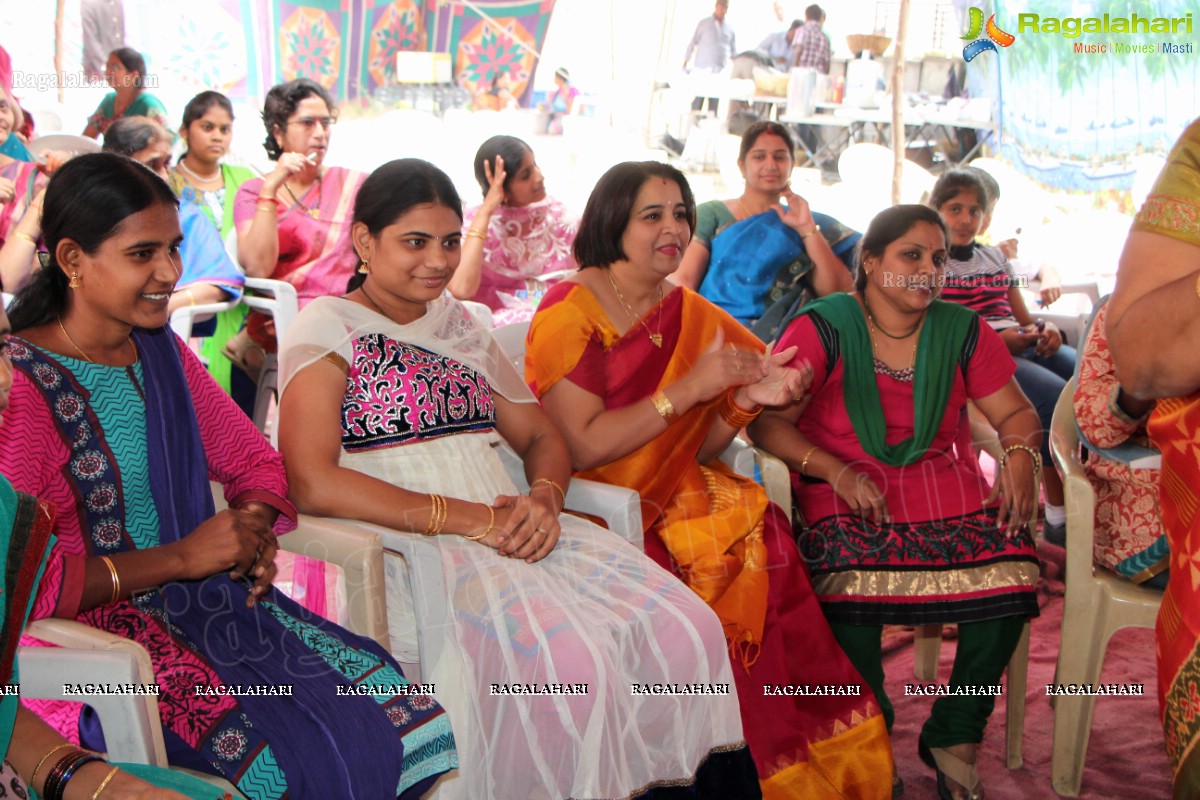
(277,298)
(747,460)
(184,319)
(1097,604)
(511,339)
(619,508)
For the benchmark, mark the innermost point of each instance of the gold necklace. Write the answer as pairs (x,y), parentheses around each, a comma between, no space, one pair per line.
(875,346)
(883,330)
(656,339)
(86,357)
(312,211)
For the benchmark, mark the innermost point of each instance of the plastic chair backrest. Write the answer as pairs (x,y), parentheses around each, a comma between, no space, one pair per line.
(282,303)
(511,339)
(182,319)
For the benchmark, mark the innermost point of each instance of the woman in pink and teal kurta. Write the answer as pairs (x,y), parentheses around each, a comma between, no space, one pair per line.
(124,447)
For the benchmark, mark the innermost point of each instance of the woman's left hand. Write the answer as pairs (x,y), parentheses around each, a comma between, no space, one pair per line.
(7,190)
(798,216)
(1050,341)
(782,385)
(533,527)
(1016,486)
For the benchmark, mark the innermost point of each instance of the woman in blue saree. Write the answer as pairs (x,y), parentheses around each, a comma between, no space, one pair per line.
(758,259)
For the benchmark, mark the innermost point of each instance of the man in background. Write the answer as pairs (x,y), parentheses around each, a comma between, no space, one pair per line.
(103,31)
(779,46)
(713,46)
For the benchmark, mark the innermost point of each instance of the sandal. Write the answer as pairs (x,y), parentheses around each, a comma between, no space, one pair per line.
(897,786)
(245,354)
(956,779)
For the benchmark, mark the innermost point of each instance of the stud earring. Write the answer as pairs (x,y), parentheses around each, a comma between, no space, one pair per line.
(363,267)
(74,284)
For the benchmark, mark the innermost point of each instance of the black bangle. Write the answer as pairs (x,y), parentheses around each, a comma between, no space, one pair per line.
(56,782)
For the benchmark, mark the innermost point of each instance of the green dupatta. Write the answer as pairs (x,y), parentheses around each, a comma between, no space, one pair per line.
(938,350)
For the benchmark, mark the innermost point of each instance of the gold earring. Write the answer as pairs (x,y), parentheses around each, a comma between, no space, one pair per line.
(363,267)
(74,284)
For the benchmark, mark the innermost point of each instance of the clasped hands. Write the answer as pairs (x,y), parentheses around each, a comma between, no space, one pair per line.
(238,540)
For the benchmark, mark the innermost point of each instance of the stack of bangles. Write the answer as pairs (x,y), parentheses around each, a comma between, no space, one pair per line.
(437,515)
(562,496)
(266,204)
(65,769)
(116,579)
(474,234)
(736,416)
(1034,454)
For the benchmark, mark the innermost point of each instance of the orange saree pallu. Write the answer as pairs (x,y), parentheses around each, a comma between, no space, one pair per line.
(813,726)
(1173,209)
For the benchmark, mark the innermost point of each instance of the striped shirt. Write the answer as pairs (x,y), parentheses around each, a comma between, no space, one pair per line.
(981,283)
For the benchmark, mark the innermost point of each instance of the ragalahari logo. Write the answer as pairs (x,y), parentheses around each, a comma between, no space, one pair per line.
(975,26)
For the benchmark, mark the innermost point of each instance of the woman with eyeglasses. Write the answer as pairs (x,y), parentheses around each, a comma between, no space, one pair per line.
(294,224)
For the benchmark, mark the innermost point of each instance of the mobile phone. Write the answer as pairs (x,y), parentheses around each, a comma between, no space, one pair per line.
(1040,325)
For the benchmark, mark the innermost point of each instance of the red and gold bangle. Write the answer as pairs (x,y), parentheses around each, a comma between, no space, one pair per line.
(734,415)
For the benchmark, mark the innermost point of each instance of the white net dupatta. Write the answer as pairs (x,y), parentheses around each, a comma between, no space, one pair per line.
(595,613)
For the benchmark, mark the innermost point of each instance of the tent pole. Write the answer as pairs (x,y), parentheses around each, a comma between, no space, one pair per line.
(898,103)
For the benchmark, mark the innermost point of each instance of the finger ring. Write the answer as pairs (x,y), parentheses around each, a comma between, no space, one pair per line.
(539,530)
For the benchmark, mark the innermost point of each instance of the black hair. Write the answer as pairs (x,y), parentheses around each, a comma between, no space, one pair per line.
(989,183)
(564,73)
(510,148)
(814,13)
(796,23)
(953,181)
(751,134)
(888,226)
(86,201)
(198,106)
(128,135)
(132,61)
(281,103)
(391,190)
(610,208)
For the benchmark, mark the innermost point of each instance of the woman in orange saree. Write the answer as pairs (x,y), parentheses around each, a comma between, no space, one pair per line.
(648,400)
(1153,327)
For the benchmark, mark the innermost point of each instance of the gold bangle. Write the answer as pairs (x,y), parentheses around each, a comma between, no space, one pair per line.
(271,210)
(1198,284)
(474,234)
(116,579)
(562,496)
(437,515)
(816,229)
(734,415)
(1034,454)
(107,779)
(26,237)
(42,761)
(191,296)
(804,461)
(664,407)
(491,525)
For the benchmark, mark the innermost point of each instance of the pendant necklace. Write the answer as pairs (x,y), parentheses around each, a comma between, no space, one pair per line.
(656,339)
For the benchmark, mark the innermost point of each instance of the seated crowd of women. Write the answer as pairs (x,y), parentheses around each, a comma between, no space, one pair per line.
(394,400)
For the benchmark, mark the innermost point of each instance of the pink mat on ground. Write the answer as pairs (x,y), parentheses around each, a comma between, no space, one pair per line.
(1125,757)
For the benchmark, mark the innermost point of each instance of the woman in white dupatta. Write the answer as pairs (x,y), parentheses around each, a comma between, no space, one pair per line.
(393,403)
